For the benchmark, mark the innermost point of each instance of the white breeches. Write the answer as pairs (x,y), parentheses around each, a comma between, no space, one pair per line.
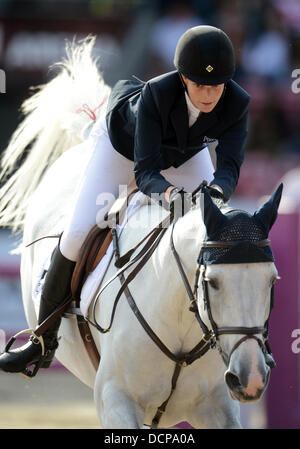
(106,171)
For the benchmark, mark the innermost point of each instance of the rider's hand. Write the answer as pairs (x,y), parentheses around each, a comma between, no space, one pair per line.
(180,201)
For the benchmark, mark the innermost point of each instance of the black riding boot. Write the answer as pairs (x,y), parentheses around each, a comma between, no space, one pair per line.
(54,292)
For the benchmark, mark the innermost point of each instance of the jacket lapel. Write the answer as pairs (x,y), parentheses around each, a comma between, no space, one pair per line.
(179,119)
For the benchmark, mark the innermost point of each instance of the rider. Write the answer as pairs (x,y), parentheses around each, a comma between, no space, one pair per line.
(153,127)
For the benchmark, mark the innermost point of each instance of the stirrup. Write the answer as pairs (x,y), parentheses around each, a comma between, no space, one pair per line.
(27,373)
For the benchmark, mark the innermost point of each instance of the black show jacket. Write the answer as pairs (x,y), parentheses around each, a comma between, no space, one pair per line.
(148,124)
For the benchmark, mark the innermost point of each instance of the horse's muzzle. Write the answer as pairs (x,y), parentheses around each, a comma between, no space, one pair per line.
(248,373)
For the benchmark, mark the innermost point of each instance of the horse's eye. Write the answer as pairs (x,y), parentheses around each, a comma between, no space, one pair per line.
(214,284)
(273,280)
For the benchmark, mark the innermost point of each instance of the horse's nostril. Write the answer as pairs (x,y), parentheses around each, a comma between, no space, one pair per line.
(232,380)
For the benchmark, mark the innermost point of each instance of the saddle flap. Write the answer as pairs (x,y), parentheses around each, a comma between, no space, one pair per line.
(91,253)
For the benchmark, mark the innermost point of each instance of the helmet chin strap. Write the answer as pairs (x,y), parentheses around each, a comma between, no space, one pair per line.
(223,93)
(183,83)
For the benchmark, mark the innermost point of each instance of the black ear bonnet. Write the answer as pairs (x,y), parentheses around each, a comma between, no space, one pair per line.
(240,227)
(243,229)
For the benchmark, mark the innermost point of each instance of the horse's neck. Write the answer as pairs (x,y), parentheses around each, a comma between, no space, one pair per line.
(189,232)
(187,235)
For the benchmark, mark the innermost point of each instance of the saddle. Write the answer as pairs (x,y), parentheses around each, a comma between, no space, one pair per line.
(91,253)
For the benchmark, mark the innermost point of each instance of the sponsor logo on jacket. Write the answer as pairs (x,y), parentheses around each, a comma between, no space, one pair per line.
(209,139)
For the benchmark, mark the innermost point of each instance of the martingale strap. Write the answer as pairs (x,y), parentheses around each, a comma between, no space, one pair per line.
(181,360)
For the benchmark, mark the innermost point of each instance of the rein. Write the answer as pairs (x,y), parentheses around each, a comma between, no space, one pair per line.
(181,360)
(210,338)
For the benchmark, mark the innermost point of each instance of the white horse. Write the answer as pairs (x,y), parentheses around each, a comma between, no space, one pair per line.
(134,375)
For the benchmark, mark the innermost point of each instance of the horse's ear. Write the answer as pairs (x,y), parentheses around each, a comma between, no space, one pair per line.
(267,213)
(212,216)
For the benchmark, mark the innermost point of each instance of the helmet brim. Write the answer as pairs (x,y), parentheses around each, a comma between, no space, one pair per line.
(207,81)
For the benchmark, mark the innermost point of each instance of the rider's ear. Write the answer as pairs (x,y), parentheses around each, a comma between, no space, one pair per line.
(212,216)
(267,213)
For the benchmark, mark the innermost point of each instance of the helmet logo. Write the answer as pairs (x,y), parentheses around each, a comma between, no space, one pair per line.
(209,68)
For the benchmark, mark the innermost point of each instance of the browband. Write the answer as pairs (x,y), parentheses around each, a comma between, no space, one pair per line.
(230,244)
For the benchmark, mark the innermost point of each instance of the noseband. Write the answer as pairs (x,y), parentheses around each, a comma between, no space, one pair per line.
(212,335)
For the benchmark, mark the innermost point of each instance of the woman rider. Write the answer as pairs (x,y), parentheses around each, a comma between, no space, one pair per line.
(159,130)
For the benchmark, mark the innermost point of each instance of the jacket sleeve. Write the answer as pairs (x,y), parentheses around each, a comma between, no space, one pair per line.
(230,156)
(148,158)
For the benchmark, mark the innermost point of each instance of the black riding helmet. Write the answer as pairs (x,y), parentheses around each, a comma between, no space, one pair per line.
(205,55)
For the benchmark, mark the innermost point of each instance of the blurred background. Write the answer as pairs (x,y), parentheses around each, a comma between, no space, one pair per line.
(138,37)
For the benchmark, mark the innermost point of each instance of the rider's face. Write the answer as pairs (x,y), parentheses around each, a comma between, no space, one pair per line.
(202,96)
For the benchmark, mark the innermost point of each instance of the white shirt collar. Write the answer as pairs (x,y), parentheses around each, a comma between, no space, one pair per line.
(193,112)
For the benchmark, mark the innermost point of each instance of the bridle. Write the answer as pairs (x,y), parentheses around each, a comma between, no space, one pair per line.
(210,338)
(215,331)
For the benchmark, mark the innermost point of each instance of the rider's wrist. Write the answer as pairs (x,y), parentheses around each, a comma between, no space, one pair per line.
(216,187)
(167,193)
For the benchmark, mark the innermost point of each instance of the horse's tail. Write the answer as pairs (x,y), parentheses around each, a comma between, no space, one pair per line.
(55,119)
